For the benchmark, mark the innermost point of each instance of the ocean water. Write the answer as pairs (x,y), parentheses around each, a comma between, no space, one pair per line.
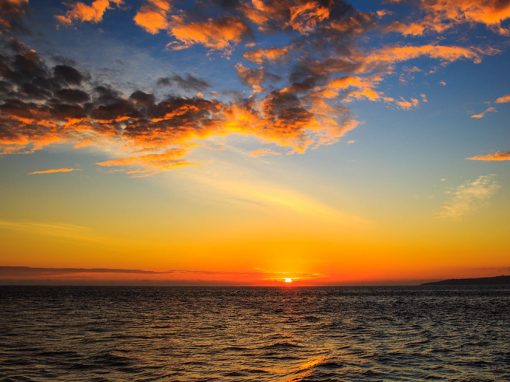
(253,334)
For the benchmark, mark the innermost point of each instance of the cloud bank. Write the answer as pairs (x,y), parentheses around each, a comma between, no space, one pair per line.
(297,94)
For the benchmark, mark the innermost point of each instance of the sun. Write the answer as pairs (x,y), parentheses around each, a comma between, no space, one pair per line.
(287,280)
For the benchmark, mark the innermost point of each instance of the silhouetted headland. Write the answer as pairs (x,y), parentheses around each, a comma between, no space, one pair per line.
(498,280)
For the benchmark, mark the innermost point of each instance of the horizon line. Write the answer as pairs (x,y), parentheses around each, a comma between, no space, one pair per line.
(11,275)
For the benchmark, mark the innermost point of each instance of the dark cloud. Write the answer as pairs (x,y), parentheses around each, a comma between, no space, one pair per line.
(72,95)
(11,15)
(21,275)
(68,75)
(301,105)
(186,82)
(42,105)
(286,112)
(26,76)
(22,271)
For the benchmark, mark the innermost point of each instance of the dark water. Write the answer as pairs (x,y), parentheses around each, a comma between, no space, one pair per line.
(257,334)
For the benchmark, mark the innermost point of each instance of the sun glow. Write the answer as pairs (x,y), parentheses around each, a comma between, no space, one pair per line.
(287,280)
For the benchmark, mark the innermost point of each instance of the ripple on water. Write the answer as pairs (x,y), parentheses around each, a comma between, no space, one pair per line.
(259,334)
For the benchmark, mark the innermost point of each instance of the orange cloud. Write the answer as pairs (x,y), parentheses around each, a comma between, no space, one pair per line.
(364,88)
(304,17)
(264,152)
(490,109)
(396,54)
(252,77)
(407,105)
(355,25)
(152,133)
(489,12)
(157,135)
(356,88)
(152,16)
(160,161)
(261,55)
(441,15)
(496,156)
(282,118)
(215,34)
(54,171)
(410,29)
(503,99)
(87,13)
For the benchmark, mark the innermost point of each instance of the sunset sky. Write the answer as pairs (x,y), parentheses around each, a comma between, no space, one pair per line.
(250,141)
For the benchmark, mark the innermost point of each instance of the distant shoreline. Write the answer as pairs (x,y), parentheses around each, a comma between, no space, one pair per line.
(480,281)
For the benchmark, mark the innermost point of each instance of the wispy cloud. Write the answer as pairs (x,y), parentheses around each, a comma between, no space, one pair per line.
(240,184)
(490,109)
(469,196)
(54,171)
(495,156)
(54,229)
(264,152)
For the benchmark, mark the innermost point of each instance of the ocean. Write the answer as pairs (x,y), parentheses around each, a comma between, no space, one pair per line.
(254,334)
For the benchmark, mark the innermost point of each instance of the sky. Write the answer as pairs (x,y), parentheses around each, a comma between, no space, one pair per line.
(243,142)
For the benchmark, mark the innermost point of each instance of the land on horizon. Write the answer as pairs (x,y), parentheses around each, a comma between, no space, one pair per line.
(478,281)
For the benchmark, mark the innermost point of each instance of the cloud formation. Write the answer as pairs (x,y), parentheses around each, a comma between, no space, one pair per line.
(296,94)
(503,99)
(44,105)
(468,197)
(215,34)
(442,15)
(187,82)
(270,54)
(495,156)
(11,14)
(264,152)
(481,115)
(152,16)
(81,12)
(54,171)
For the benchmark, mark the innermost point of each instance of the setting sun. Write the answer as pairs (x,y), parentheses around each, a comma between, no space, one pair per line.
(288,280)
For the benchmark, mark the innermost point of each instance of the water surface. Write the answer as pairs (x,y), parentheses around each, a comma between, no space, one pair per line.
(253,334)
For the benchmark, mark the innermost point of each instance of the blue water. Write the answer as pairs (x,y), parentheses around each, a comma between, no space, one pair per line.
(253,334)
